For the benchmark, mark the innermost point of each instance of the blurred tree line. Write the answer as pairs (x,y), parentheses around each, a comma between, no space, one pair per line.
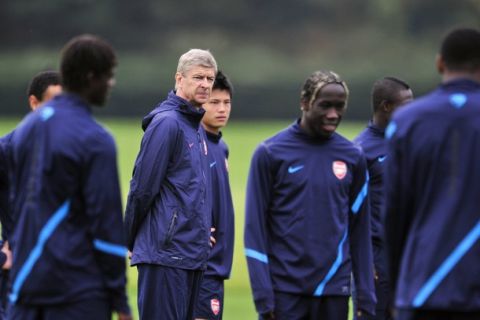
(267,48)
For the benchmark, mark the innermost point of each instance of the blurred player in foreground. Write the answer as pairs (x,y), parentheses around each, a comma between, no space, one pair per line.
(433,182)
(67,243)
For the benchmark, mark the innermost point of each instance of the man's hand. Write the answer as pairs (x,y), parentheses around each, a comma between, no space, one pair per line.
(212,239)
(268,316)
(124,316)
(6,250)
(362,313)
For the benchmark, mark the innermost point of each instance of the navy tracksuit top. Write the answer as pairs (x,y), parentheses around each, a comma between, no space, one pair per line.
(5,173)
(372,141)
(432,209)
(168,215)
(67,240)
(307,219)
(221,255)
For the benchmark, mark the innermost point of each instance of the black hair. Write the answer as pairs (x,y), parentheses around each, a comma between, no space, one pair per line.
(316,81)
(222,83)
(82,56)
(460,50)
(386,89)
(41,81)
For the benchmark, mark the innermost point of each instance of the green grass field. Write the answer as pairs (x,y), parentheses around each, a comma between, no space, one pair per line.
(242,138)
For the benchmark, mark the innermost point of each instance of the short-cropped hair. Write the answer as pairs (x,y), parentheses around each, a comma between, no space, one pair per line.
(84,55)
(41,81)
(386,89)
(460,50)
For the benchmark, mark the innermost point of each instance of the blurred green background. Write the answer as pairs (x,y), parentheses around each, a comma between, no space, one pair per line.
(268,48)
(242,138)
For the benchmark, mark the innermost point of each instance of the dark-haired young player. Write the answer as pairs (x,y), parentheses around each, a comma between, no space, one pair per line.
(43,87)
(217,112)
(388,94)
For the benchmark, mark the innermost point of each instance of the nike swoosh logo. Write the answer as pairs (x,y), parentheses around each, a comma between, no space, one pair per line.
(295,169)
(191,144)
(213,163)
(381,159)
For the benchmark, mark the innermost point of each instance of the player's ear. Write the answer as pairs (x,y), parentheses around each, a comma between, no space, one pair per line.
(440,64)
(178,78)
(33,102)
(304,105)
(385,106)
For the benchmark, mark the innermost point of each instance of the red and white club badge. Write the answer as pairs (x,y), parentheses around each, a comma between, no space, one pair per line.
(215,305)
(339,169)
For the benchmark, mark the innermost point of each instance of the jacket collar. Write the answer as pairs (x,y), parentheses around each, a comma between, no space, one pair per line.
(71,99)
(376,130)
(461,83)
(215,138)
(297,130)
(186,108)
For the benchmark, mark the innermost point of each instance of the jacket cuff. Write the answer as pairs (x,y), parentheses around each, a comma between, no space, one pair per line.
(120,303)
(366,302)
(264,305)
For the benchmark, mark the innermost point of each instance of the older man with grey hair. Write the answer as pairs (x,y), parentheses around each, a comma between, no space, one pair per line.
(168,215)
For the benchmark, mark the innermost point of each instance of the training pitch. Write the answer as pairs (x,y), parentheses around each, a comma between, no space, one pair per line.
(242,138)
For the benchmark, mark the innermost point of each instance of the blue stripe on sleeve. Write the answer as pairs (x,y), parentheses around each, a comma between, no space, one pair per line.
(110,248)
(361,196)
(256,255)
(46,113)
(334,268)
(43,236)
(390,130)
(447,266)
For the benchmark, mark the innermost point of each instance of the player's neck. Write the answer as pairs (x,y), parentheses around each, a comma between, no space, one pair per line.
(380,121)
(212,130)
(456,75)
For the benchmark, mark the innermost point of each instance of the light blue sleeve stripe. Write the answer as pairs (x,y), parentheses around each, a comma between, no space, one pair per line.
(390,130)
(334,268)
(110,248)
(361,196)
(47,112)
(256,255)
(447,266)
(43,236)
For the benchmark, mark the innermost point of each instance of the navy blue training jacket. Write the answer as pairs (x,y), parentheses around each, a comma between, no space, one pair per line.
(168,215)
(5,172)
(372,141)
(67,240)
(307,219)
(433,185)
(221,255)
